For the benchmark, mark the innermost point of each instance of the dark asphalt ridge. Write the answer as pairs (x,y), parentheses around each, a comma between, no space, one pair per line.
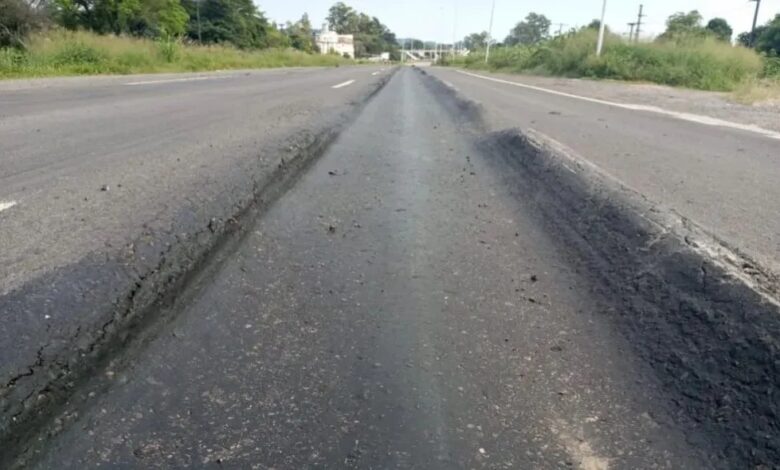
(447,302)
(102,300)
(725,179)
(704,316)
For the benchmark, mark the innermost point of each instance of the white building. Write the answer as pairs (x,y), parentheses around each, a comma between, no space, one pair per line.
(330,41)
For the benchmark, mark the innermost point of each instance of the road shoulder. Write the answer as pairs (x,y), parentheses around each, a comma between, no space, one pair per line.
(706,103)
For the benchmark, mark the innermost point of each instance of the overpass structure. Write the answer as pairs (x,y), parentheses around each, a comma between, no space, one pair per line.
(430,55)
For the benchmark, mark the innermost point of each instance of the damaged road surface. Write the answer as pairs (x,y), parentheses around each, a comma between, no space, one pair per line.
(431,294)
(114,190)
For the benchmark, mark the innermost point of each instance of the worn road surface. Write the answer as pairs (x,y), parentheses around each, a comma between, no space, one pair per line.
(429,294)
(87,164)
(113,186)
(724,179)
(400,307)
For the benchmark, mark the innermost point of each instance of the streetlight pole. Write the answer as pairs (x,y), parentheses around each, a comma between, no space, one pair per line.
(490,32)
(602,29)
(755,21)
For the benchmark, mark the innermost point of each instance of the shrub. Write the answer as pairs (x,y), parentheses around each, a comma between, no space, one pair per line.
(168,48)
(77,53)
(704,63)
(771,68)
(61,52)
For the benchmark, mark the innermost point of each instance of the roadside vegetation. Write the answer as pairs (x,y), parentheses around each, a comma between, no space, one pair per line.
(61,53)
(688,54)
(75,37)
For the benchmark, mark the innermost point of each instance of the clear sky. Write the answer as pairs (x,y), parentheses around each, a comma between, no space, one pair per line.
(436,20)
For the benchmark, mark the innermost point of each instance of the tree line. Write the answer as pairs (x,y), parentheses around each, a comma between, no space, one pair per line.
(680,27)
(237,22)
(371,37)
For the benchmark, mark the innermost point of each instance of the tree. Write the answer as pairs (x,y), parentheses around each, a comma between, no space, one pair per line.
(595,24)
(720,29)
(301,35)
(746,38)
(150,18)
(17,20)
(371,36)
(238,22)
(535,29)
(768,41)
(475,41)
(682,26)
(342,18)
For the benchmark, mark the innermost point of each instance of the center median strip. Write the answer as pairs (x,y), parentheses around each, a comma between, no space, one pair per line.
(174,80)
(6,205)
(343,84)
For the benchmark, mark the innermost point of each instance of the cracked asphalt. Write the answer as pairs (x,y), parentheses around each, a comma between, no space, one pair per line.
(112,188)
(399,307)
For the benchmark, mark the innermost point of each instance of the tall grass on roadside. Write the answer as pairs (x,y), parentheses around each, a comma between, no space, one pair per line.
(705,64)
(76,53)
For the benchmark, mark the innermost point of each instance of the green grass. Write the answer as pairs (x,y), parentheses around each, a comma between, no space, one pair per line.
(703,65)
(61,53)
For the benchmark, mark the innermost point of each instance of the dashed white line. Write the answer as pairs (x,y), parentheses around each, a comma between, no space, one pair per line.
(342,85)
(6,205)
(375,73)
(697,118)
(172,80)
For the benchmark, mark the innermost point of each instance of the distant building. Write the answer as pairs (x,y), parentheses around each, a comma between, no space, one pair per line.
(330,41)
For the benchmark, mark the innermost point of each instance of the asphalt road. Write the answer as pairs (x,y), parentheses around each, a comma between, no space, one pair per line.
(398,308)
(108,185)
(427,295)
(159,145)
(724,179)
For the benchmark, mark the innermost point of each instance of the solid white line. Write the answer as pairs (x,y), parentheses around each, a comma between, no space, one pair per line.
(697,118)
(6,205)
(341,85)
(172,80)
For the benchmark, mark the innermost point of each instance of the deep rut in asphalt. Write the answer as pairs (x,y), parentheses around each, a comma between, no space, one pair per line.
(435,295)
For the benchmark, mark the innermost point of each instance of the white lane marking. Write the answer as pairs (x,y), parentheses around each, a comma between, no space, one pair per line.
(375,73)
(342,85)
(697,118)
(6,205)
(172,80)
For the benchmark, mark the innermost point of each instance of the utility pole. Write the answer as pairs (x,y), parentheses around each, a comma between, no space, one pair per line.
(560,28)
(602,29)
(639,21)
(631,34)
(755,21)
(490,31)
